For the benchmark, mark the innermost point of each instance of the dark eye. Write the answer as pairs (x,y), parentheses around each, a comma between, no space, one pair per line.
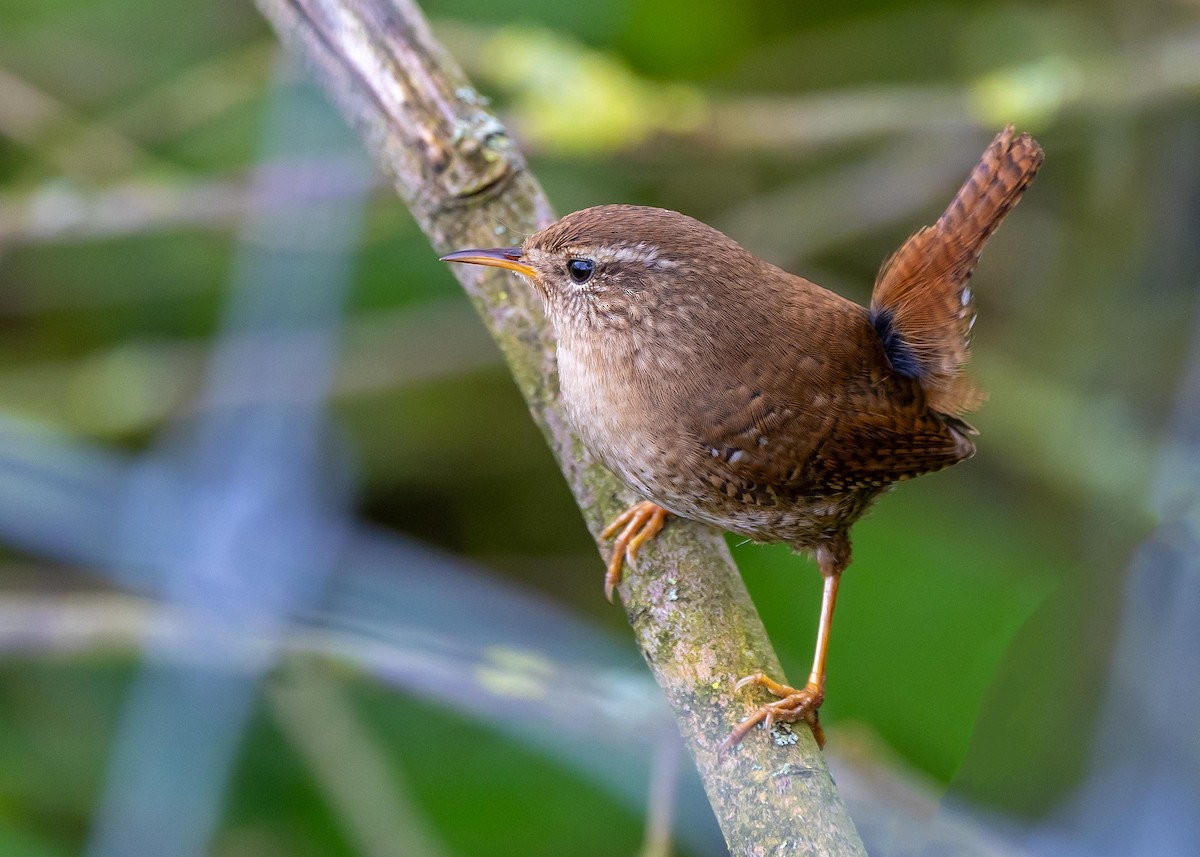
(581,270)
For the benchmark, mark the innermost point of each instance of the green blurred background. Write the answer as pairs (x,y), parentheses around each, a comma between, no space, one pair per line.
(975,626)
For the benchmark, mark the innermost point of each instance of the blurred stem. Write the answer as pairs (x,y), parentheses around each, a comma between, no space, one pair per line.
(467,185)
(365,792)
(75,625)
(80,149)
(60,211)
(664,782)
(197,95)
(135,386)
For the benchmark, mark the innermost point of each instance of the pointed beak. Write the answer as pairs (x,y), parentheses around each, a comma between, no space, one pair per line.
(499,257)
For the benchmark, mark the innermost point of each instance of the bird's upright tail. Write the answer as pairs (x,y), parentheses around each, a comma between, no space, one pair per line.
(922,306)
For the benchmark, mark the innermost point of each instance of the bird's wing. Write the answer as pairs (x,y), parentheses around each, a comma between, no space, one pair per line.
(836,419)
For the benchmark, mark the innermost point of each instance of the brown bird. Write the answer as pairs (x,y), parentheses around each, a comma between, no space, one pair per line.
(728,391)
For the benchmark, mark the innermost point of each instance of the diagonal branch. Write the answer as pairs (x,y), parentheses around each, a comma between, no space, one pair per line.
(467,185)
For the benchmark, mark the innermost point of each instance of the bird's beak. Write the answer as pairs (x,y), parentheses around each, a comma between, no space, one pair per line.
(499,257)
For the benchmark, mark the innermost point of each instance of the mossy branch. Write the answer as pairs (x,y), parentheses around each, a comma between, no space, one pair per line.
(467,185)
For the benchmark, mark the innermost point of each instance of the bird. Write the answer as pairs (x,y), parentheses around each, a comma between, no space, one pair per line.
(723,389)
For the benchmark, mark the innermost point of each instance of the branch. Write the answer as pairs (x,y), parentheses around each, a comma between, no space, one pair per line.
(467,185)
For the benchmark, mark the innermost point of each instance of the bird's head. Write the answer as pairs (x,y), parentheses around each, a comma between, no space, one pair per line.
(614,266)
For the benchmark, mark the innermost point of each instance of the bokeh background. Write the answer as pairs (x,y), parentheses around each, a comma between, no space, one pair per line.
(287,569)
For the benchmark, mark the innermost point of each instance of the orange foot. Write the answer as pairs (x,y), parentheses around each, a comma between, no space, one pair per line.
(791,706)
(641,523)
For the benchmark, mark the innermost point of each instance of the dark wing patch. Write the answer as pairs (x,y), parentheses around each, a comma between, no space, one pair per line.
(899,353)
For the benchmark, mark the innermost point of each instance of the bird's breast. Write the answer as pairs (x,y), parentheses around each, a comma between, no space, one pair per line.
(617,409)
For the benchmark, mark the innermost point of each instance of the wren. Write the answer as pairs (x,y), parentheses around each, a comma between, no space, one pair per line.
(725,390)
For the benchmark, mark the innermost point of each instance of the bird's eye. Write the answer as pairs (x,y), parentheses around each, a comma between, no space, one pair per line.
(581,270)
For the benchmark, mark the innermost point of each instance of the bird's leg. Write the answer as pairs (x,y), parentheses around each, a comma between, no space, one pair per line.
(637,525)
(802,704)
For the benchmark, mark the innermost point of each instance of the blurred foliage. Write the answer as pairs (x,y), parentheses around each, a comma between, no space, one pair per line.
(974,627)
(547,70)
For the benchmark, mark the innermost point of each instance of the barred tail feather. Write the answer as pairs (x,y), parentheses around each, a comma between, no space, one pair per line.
(922,306)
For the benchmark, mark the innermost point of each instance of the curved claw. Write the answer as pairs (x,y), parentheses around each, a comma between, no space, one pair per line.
(754,678)
(793,705)
(640,522)
(739,732)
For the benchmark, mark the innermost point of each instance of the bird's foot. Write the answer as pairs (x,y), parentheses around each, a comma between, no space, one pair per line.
(792,705)
(636,525)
